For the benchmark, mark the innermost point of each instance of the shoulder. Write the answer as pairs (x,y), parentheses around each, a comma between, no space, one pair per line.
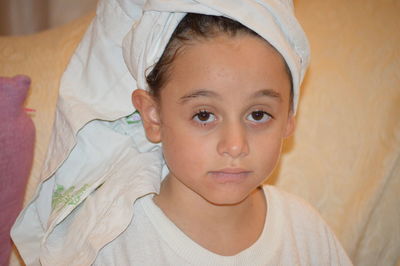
(290,204)
(135,244)
(304,231)
(295,211)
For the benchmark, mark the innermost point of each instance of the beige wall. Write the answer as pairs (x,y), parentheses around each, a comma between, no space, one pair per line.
(63,11)
(18,17)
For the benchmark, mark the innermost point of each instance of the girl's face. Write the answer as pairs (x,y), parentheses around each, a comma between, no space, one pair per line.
(221,118)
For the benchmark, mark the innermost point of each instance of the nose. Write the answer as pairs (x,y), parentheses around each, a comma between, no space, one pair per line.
(233,141)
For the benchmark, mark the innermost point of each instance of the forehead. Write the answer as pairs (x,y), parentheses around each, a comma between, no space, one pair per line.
(242,64)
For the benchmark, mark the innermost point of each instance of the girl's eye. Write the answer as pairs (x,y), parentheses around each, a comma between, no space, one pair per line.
(259,116)
(204,117)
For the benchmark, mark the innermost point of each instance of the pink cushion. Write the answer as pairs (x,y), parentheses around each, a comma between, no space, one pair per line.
(17,136)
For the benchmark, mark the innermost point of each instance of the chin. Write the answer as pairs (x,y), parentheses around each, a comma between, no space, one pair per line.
(226,199)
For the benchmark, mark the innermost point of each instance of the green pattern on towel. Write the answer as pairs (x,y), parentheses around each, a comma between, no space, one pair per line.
(62,197)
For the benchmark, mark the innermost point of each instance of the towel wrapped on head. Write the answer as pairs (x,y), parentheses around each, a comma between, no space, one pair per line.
(272,20)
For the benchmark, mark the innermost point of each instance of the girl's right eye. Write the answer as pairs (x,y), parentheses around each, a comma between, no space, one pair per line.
(204,117)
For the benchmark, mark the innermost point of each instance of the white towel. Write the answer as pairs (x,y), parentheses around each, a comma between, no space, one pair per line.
(99,160)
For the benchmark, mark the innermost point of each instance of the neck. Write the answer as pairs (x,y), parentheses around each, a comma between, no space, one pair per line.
(223,229)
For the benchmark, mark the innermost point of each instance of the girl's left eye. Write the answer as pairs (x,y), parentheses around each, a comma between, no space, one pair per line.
(259,117)
(204,117)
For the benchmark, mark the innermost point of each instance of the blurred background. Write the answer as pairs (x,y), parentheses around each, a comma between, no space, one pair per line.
(20,17)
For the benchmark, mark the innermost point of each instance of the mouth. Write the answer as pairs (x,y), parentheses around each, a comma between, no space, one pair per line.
(230,175)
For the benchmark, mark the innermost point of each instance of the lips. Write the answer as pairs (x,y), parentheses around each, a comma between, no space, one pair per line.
(230,175)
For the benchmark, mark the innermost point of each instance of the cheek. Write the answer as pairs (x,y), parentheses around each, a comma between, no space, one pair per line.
(266,151)
(184,153)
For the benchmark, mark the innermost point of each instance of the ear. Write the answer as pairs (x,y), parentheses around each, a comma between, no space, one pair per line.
(290,125)
(148,109)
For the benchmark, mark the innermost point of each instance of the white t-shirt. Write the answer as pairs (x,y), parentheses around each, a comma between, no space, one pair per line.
(293,234)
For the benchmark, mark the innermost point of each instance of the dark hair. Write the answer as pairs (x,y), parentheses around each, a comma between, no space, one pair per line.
(196,27)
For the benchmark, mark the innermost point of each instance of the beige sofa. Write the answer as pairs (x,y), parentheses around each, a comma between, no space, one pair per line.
(345,155)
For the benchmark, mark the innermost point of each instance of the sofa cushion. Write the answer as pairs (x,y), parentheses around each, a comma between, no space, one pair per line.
(17,135)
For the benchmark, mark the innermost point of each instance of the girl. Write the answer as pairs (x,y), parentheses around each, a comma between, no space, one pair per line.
(220,96)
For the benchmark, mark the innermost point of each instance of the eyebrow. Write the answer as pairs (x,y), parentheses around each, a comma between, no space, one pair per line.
(198,93)
(268,93)
(207,93)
